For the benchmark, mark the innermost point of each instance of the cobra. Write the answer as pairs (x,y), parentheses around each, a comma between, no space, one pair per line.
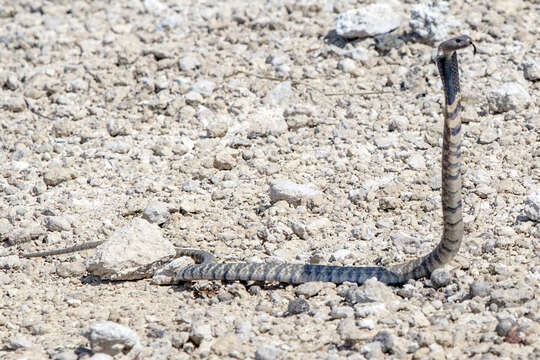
(448,247)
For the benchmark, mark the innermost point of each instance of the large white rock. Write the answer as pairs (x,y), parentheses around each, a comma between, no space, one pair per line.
(132,252)
(370,20)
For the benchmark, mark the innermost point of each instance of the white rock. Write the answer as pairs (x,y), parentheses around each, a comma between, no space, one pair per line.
(13,103)
(183,146)
(419,319)
(171,22)
(118,147)
(10,262)
(116,127)
(435,180)
(366,324)
(300,230)
(291,192)
(57,223)
(359,53)
(132,252)
(19,342)
(432,22)
(531,70)
(98,356)
(188,63)
(266,121)
(509,96)
(156,212)
(78,85)
(385,142)
(190,206)
(532,205)
(154,7)
(279,94)
(370,291)
(12,83)
(340,255)
(161,83)
(416,162)
(204,87)
(193,98)
(56,175)
(217,128)
(199,332)
(341,312)
(480,177)
(398,122)
(267,352)
(309,289)
(22,235)
(348,66)
(370,20)
(363,310)
(314,226)
(112,338)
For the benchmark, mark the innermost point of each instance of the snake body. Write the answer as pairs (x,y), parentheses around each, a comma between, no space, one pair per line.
(208,268)
(445,251)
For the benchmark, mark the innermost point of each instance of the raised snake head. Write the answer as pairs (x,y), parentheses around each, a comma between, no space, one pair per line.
(459,42)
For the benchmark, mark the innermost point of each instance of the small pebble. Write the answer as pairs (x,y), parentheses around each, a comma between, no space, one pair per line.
(440,278)
(223,161)
(479,288)
(504,326)
(297,306)
(199,332)
(308,289)
(341,312)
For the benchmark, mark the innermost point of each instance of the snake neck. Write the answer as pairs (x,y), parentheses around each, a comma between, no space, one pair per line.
(451,158)
(449,70)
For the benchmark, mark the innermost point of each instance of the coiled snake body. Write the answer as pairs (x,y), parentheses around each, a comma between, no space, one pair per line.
(420,267)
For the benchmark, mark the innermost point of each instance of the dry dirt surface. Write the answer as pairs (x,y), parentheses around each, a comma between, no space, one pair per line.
(107,107)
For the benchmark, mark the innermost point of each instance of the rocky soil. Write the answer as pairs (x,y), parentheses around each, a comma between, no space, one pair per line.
(186,113)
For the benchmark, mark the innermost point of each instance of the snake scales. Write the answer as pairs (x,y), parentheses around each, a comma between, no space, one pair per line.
(447,248)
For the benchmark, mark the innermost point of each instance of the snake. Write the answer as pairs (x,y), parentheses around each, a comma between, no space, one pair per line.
(423,266)
(207,268)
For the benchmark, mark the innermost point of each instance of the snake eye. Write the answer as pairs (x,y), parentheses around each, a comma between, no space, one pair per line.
(458,40)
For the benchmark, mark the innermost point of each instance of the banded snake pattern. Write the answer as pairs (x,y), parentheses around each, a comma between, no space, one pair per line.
(208,268)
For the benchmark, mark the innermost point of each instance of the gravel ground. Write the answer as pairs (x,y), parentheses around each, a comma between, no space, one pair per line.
(107,108)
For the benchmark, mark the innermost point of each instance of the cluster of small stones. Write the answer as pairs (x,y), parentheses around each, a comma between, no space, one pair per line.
(239,127)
